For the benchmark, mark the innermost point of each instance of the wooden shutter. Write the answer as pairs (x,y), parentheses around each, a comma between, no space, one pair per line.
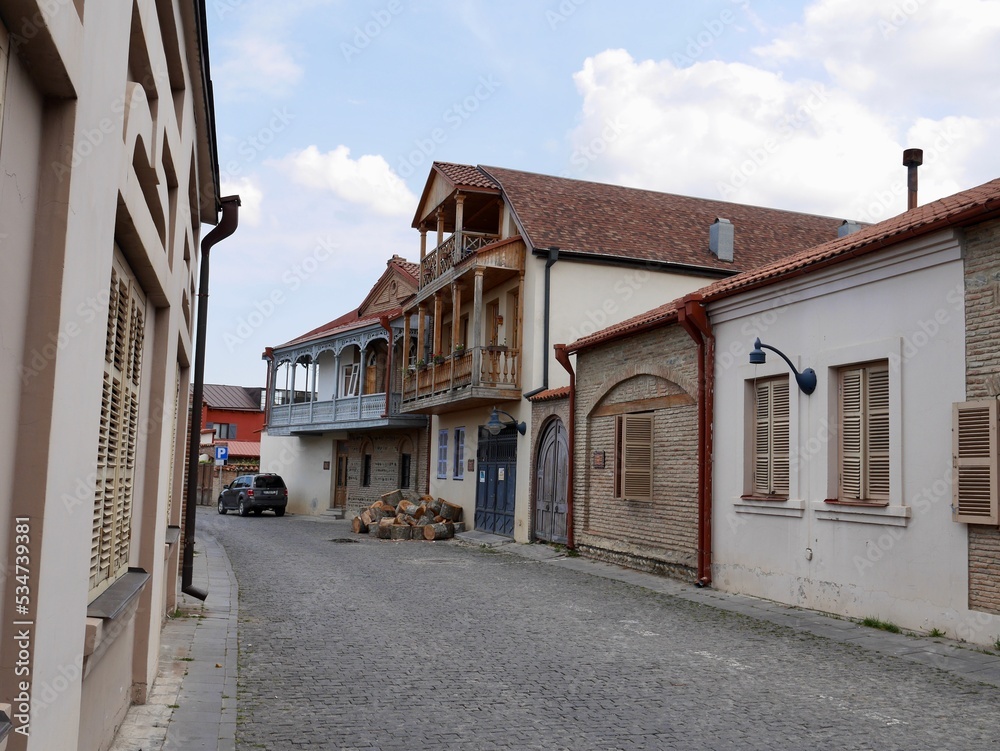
(637,457)
(974,457)
(877,432)
(851,439)
(118,431)
(770,460)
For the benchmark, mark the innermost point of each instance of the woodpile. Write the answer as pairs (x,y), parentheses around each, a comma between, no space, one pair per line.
(393,517)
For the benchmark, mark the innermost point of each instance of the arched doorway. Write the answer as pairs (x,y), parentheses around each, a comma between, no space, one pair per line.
(551,482)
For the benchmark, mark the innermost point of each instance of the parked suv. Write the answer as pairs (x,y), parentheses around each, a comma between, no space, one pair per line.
(255,493)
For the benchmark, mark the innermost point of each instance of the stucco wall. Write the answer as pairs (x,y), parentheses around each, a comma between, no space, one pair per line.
(908,562)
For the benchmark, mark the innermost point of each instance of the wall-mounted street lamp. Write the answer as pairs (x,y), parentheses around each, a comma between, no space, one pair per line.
(806,379)
(494,426)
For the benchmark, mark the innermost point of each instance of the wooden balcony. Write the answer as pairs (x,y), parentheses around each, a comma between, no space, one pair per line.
(345,413)
(480,376)
(447,255)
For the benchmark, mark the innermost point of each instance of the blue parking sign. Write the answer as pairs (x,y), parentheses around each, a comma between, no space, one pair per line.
(221,453)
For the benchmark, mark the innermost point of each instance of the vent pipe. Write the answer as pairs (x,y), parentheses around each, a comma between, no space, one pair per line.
(912,158)
(848,227)
(720,239)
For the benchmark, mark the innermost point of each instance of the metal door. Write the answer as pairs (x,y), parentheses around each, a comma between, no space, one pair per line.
(496,466)
(551,483)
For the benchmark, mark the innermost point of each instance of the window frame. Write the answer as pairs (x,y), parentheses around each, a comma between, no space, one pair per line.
(639,424)
(779,394)
(873,416)
(458,469)
(405,468)
(442,458)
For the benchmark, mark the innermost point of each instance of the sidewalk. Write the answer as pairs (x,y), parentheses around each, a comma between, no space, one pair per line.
(192,706)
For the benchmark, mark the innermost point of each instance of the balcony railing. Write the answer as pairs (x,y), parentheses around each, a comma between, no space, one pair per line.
(499,368)
(447,254)
(344,409)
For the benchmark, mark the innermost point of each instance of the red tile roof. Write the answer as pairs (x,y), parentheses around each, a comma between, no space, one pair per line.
(241,448)
(550,395)
(465,175)
(612,221)
(962,209)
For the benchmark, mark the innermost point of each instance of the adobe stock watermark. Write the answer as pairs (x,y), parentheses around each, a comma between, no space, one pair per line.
(367,32)
(91,310)
(454,117)
(898,16)
(696,44)
(559,15)
(32,25)
(758,156)
(254,145)
(292,279)
(583,156)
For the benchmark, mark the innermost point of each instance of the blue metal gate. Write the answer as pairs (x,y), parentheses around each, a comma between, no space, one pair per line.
(496,465)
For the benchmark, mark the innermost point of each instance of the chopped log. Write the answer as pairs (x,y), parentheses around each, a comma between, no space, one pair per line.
(392,498)
(407,520)
(459,527)
(373,530)
(438,519)
(406,507)
(367,517)
(400,532)
(385,522)
(358,525)
(384,528)
(450,511)
(437,532)
(425,518)
(426,498)
(434,504)
(451,528)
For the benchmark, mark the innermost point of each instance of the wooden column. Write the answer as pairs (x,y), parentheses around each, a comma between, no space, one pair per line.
(456,305)
(436,347)
(459,218)
(440,231)
(423,255)
(421,332)
(406,341)
(477,327)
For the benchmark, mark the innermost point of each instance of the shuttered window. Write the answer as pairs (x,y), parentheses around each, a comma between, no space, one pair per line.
(634,457)
(864,433)
(974,457)
(118,430)
(770,438)
(442,472)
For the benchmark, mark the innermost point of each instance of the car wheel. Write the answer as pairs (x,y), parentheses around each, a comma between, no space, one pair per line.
(279,512)
(243,508)
(222,507)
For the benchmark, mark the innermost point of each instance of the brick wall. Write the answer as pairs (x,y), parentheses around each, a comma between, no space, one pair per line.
(660,534)
(386,451)
(982,364)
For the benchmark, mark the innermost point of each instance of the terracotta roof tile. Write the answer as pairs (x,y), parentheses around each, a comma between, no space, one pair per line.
(340,325)
(465,175)
(611,220)
(651,318)
(241,448)
(550,395)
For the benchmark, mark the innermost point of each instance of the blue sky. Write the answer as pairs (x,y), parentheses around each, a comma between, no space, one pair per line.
(330,112)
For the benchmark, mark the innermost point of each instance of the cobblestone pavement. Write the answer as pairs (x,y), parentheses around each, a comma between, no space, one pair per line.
(412,645)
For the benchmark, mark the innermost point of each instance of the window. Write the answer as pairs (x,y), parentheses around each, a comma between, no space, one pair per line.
(351,373)
(442,472)
(366,465)
(404,471)
(493,322)
(225,431)
(864,433)
(974,453)
(459,472)
(770,438)
(634,456)
(118,430)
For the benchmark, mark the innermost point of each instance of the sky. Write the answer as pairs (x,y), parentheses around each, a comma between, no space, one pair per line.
(330,113)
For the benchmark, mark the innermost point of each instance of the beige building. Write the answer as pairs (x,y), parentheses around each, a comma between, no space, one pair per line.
(107,172)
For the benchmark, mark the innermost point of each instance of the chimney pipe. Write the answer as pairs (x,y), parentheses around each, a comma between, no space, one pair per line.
(912,158)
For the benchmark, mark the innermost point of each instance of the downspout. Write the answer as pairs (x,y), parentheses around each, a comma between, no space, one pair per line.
(226,227)
(694,319)
(384,321)
(562,357)
(552,258)
(268,357)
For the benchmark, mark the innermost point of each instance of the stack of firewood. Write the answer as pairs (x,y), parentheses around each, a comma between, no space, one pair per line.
(392,517)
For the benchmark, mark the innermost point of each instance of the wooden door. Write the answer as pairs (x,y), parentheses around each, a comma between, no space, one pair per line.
(551,483)
(340,477)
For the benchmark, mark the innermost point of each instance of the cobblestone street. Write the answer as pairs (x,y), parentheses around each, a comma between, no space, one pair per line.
(372,644)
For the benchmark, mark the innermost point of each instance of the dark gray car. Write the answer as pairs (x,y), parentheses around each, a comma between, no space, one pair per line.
(255,493)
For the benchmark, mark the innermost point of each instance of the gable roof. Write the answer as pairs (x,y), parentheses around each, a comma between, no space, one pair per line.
(397,266)
(234,398)
(968,207)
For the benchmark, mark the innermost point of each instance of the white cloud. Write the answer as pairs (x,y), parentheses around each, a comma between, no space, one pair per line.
(367,180)
(254,65)
(251,198)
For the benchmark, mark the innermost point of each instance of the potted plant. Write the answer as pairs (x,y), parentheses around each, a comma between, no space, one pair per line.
(421,364)
(458,351)
(438,358)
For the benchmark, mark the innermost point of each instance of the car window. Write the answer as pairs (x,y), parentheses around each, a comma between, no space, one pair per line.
(269,482)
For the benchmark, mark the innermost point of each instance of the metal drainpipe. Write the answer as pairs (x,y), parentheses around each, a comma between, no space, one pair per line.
(553,257)
(694,320)
(226,227)
(562,357)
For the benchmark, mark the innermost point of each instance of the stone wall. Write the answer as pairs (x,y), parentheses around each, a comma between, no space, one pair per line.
(386,449)
(651,372)
(982,358)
